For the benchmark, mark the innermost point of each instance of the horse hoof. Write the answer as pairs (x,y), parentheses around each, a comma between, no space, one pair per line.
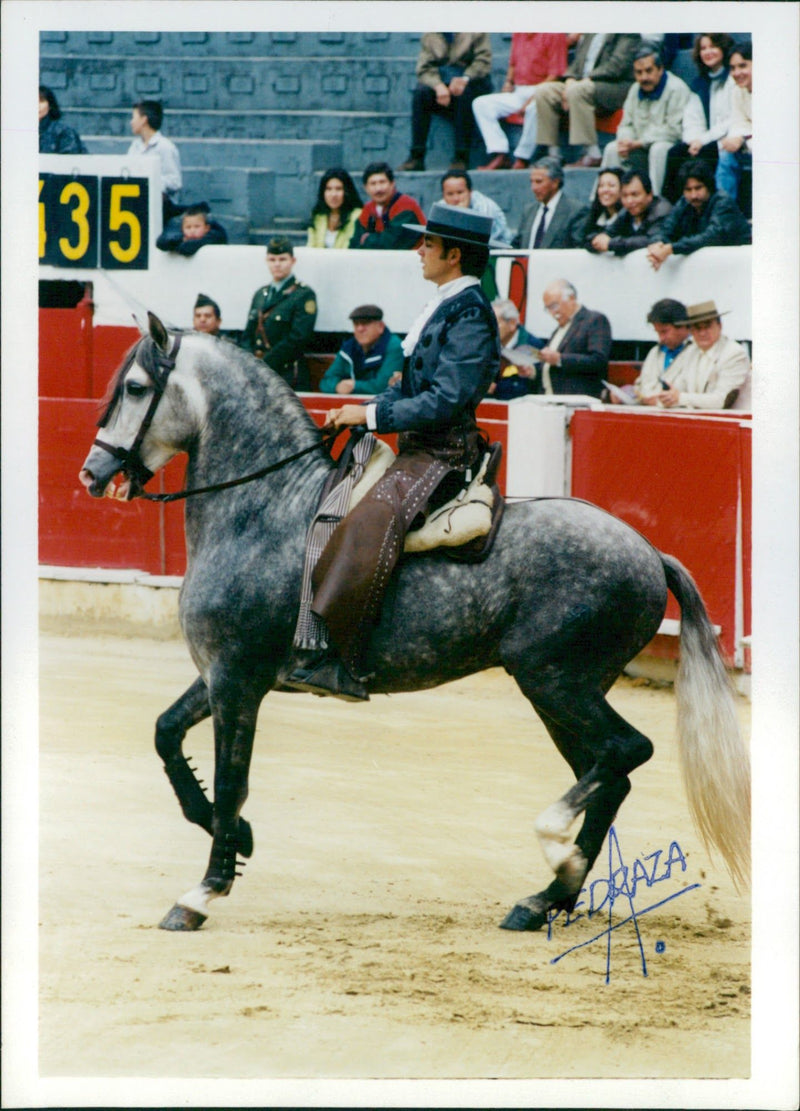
(524,917)
(182,918)
(244,838)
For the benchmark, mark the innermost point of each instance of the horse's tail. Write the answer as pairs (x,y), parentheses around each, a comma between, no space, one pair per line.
(714,758)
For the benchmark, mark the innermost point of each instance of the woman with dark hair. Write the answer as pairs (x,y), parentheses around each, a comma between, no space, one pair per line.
(606,206)
(55,137)
(334,216)
(707,114)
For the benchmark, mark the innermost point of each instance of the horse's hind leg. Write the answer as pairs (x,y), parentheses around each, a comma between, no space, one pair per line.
(601,748)
(172,726)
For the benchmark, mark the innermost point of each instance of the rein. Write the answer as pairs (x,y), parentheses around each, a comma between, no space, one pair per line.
(326,441)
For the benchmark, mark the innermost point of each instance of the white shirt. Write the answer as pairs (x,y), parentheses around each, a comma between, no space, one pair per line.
(167,154)
(443,293)
(551,206)
(595,46)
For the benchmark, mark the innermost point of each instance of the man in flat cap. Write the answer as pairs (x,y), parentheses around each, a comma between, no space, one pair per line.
(207,316)
(367,359)
(282,315)
(714,373)
(452,357)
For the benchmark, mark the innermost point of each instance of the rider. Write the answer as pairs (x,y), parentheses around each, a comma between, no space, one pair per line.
(452,357)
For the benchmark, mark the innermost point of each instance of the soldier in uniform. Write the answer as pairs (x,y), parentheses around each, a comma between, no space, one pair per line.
(282,315)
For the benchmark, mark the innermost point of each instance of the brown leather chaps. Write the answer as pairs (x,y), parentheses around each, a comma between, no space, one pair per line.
(352,573)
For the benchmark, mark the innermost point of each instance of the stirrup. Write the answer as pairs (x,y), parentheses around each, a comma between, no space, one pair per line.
(325,677)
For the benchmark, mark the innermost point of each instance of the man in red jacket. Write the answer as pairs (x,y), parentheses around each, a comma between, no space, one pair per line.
(381,225)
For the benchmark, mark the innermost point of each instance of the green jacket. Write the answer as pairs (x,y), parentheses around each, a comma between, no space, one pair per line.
(279,329)
(371,372)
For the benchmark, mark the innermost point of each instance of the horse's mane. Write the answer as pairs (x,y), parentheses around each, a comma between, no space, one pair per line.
(143,351)
(109,399)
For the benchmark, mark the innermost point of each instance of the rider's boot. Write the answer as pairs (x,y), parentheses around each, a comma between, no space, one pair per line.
(323,673)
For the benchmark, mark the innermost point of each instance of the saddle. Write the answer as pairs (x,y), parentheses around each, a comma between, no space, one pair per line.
(465,526)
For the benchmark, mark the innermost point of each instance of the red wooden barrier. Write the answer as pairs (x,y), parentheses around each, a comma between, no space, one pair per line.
(676,479)
(66,351)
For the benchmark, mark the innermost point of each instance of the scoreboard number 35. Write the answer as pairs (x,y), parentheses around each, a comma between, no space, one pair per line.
(89,222)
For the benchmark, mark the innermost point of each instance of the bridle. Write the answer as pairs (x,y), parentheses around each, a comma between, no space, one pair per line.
(133,466)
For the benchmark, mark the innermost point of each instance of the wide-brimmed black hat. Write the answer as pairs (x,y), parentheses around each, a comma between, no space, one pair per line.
(464,225)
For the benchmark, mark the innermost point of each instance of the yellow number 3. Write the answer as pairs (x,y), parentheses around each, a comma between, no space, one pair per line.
(119,218)
(78,215)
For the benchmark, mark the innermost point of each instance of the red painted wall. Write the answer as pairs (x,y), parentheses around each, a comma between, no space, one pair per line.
(676,479)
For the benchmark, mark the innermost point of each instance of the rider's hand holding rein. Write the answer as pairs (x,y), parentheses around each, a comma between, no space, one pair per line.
(346,416)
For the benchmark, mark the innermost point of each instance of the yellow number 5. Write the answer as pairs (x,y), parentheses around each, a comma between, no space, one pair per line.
(42,222)
(78,215)
(118,218)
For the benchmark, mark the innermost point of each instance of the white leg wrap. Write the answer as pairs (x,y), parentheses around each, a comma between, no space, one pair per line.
(198,899)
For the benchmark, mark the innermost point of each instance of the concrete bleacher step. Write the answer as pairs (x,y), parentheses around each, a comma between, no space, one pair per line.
(142,44)
(292,162)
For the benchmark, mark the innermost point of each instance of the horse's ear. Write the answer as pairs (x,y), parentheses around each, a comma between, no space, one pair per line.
(158,332)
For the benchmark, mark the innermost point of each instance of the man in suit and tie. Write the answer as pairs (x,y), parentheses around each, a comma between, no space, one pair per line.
(575,359)
(553,220)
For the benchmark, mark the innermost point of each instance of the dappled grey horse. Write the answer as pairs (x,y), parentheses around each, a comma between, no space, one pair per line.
(567,597)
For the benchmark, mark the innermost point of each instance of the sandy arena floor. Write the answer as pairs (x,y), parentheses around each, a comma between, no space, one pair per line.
(362,940)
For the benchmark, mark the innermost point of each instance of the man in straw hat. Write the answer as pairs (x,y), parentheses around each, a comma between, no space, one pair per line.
(712,373)
(452,357)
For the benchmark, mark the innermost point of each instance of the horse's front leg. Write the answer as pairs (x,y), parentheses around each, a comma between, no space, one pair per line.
(191,708)
(235,711)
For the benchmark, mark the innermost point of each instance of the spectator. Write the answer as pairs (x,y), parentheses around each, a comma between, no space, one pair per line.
(367,359)
(194,229)
(381,224)
(457,190)
(281,319)
(55,137)
(668,318)
(607,203)
(452,70)
(207,316)
(707,113)
(553,220)
(595,82)
(715,372)
(534,58)
(701,218)
(334,216)
(576,355)
(642,221)
(651,118)
(146,120)
(518,374)
(736,149)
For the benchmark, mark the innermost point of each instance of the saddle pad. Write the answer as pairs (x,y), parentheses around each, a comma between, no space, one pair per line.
(458,521)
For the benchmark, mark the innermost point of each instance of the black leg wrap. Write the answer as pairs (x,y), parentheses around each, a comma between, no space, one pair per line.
(222,864)
(193,800)
(196,805)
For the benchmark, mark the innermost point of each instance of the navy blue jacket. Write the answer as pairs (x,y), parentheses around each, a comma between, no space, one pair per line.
(454,362)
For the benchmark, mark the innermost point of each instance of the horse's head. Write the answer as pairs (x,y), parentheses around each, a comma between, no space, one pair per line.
(144,420)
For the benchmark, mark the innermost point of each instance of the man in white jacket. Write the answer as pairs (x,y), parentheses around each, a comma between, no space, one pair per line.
(713,372)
